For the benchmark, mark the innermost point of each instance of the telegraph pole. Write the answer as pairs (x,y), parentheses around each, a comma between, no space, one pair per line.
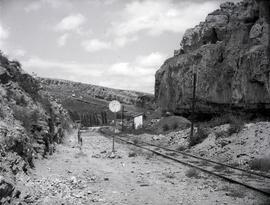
(193,104)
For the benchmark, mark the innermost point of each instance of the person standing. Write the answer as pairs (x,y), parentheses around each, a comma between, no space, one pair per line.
(79,137)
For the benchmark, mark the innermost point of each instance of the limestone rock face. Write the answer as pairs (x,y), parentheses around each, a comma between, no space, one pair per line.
(230,54)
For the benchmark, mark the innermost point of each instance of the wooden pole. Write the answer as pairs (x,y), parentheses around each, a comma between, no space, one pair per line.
(193,104)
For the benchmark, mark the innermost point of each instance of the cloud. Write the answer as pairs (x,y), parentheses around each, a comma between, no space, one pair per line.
(152,60)
(71,23)
(159,16)
(33,6)
(95,45)
(37,4)
(122,41)
(138,74)
(4,34)
(62,39)
(18,53)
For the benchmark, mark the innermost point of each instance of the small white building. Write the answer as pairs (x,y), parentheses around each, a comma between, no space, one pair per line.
(138,121)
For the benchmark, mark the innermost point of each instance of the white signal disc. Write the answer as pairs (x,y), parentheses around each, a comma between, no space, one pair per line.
(115,106)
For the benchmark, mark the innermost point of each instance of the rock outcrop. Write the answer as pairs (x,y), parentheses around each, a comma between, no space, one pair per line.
(229,51)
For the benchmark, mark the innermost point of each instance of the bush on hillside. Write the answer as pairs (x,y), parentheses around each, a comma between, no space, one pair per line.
(27,117)
(224,119)
(3,59)
(198,137)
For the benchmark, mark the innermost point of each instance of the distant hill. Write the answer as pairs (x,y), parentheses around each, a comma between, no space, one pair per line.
(75,95)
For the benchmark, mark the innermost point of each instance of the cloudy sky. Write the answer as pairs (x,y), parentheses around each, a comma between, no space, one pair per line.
(113,43)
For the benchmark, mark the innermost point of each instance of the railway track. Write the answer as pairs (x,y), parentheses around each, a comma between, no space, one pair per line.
(251,180)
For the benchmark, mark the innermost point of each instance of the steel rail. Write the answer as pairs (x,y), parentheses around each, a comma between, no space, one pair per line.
(208,160)
(197,167)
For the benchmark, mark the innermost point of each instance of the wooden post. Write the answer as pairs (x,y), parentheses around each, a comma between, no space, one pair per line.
(193,104)
(115,116)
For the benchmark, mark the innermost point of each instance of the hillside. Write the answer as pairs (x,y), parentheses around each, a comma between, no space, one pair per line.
(74,95)
(30,125)
(229,52)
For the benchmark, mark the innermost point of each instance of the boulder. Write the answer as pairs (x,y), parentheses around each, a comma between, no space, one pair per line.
(6,188)
(229,52)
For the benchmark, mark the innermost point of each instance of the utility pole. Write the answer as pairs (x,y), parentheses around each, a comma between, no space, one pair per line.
(193,104)
(122,118)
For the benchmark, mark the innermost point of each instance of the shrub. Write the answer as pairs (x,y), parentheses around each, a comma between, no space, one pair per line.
(132,154)
(181,148)
(21,101)
(261,164)
(198,137)
(175,126)
(236,126)
(136,141)
(192,172)
(29,85)
(165,127)
(221,134)
(2,114)
(224,119)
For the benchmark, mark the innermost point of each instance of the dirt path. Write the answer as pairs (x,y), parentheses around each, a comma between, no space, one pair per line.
(91,177)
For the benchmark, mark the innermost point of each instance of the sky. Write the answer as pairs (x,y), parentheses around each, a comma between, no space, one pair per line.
(112,43)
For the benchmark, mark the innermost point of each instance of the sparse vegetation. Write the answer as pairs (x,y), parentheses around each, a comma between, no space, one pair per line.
(192,173)
(198,137)
(261,164)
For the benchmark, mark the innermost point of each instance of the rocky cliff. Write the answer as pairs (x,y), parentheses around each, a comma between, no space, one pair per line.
(29,125)
(229,51)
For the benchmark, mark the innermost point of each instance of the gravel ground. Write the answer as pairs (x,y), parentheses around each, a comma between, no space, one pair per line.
(130,176)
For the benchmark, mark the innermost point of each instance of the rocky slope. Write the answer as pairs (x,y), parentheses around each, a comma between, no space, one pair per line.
(73,95)
(29,124)
(229,51)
